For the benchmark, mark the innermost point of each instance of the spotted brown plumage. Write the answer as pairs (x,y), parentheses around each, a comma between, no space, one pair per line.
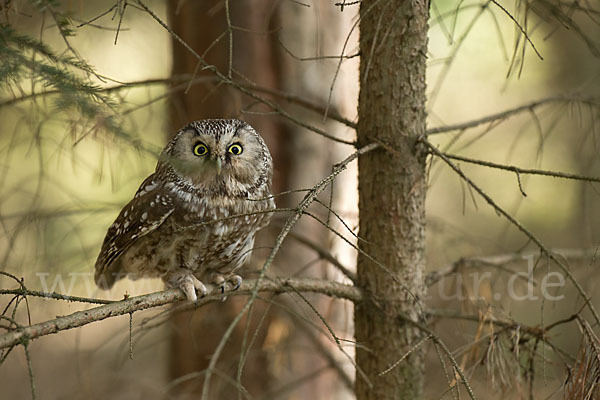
(194,219)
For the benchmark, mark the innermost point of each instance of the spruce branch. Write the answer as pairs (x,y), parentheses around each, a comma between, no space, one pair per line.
(23,335)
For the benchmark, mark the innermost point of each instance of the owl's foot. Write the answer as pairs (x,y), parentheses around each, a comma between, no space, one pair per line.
(230,282)
(235,281)
(188,283)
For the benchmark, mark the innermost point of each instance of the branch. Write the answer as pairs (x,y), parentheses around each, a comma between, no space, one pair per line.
(519,226)
(324,254)
(138,303)
(499,261)
(538,331)
(523,31)
(437,340)
(54,295)
(184,82)
(508,113)
(227,81)
(109,89)
(519,170)
(328,355)
(308,199)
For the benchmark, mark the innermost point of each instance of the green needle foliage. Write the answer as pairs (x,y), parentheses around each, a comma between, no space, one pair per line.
(67,79)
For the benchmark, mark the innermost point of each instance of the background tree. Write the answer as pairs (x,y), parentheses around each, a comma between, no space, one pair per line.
(497,297)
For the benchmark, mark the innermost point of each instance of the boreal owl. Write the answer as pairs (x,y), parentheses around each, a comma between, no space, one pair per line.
(194,219)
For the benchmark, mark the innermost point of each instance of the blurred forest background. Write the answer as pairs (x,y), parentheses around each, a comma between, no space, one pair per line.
(90,92)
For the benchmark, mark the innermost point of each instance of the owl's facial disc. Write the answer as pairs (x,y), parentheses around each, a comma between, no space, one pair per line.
(216,154)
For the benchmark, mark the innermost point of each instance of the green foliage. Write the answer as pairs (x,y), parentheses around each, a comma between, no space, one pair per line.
(67,78)
(58,122)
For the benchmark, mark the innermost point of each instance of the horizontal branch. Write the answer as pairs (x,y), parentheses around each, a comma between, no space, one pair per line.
(508,113)
(500,261)
(54,295)
(184,82)
(526,171)
(139,303)
(539,332)
(536,331)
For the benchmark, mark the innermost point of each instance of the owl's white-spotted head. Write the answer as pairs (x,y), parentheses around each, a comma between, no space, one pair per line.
(218,154)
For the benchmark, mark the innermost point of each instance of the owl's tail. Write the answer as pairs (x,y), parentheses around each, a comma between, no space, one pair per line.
(104,279)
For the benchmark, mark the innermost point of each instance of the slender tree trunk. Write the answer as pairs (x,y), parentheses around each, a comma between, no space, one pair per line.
(392,186)
(203,25)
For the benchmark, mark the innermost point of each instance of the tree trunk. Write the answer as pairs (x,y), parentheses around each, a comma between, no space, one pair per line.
(392,186)
(196,335)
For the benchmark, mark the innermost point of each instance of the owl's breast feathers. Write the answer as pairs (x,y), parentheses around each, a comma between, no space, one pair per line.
(188,213)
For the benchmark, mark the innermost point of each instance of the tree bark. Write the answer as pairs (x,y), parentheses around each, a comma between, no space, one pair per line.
(203,25)
(392,187)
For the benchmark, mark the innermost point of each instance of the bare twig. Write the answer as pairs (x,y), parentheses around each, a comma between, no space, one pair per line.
(500,261)
(324,254)
(54,295)
(225,80)
(324,351)
(513,111)
(534,331)
(30,371)
(523,31)
(409,352)
(519,170)
(439,342)
(520,227)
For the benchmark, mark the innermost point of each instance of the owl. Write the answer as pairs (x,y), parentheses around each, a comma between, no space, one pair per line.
(193,221)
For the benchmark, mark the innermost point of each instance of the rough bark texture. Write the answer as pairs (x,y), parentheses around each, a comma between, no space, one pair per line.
(392,186)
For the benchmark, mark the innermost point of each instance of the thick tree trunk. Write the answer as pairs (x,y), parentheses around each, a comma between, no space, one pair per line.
(392,186)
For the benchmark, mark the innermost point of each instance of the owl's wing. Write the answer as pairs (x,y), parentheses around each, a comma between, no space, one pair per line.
(150,207)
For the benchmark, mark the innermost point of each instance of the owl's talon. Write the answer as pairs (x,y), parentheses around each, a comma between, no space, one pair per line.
(235,281)
(219,282)
(200,288)
(189,284)
(226,283)
(188,290)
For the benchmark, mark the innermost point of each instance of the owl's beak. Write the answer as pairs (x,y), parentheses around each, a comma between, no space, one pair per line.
(219,165)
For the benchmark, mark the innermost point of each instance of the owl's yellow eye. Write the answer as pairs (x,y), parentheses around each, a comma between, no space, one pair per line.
(200,149)
(235,149)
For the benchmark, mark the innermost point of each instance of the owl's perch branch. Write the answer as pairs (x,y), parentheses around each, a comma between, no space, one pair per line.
(139,303)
